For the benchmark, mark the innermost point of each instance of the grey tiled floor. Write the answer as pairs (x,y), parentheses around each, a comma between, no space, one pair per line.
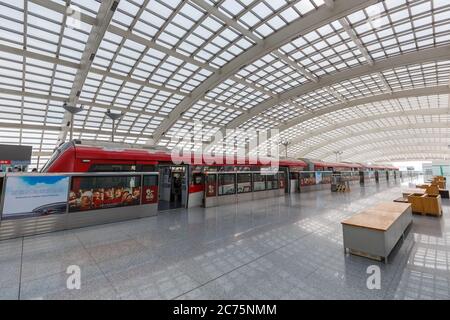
(283,248)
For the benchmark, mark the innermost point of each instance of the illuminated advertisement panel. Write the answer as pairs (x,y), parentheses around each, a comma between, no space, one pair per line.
(34,196)
(93,193)
(150,190)
(307,178)
(318,177)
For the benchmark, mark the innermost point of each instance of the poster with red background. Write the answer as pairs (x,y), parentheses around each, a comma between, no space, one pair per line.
(149,194)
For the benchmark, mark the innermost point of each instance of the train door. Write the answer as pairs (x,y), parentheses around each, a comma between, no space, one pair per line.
(172,188)
(196,186)
(286,178)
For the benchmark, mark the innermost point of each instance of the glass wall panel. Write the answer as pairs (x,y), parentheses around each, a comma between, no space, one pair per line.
(227,183)
(244,182)
(259,182)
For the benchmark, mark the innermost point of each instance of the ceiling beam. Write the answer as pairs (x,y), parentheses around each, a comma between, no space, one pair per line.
(80,101)
(401,157)
(283,57)
(390,129)
(362,101)
(393,140)
(434,54)
(351,104)
(302,136)
(322,16)
(58,129)
(104,17)
(380,155)
(347,123)
(253,86)
(125,34)
(335,94)
(51,5)
(352,34)
(38,56)
(227,20)
(387,88)
(153,45)
(62,62)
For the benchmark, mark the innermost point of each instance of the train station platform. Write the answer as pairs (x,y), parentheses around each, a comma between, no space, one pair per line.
(280,248)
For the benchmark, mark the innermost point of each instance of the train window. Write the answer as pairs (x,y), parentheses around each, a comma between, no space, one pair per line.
(244,181)
(150,180)
(112,168)
(197,179)
(227,184)
(259,182)
(211,185)
(281,179)
(275,183)
(272,182)
(145,168)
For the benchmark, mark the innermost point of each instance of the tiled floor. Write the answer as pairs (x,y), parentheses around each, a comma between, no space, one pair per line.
(288,248)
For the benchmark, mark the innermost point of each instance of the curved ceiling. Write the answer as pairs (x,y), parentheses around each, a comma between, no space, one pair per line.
(342,75)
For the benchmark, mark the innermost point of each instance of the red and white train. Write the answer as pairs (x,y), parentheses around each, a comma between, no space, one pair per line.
(187,185)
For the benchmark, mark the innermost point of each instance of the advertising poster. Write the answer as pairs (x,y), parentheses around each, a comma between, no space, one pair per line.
(307,179)
(211,188)
(35,196)
(244,187)
(104,193)
(226,189)
(318,177)
(282,182)
(260,185)
(149,194)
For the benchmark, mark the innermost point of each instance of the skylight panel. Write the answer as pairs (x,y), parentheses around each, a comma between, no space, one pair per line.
(304,6)
(250,19)
(231,7)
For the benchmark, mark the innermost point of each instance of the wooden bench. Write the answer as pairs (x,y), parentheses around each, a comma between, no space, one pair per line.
(426,204)
(444,194)
(402,200)
(374,232)
(407,192)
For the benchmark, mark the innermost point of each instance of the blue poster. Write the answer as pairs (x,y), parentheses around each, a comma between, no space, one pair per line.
(34,196)
(318,177)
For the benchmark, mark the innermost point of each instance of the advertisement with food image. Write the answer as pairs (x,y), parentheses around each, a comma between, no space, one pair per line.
(93,193)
